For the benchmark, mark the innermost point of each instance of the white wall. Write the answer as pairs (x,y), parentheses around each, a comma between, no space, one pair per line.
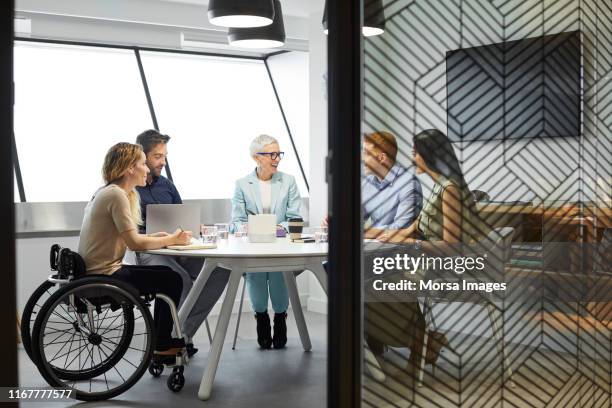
(33,263)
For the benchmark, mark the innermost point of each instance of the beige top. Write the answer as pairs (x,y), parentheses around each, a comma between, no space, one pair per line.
(107,215)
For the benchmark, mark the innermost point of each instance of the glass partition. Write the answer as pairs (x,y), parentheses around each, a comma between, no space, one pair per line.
(495,291)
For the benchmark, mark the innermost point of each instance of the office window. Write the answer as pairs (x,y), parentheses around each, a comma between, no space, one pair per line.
(212,108)
(290,74)
(71,104)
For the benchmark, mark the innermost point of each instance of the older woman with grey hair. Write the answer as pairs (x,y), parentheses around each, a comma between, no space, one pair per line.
(267,191)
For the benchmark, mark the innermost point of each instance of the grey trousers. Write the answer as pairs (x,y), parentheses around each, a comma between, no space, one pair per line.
(189,268)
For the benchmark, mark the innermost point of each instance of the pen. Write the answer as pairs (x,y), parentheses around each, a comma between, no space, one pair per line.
(249,211)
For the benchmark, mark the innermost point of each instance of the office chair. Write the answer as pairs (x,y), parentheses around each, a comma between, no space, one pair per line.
(497,245)
(480,195)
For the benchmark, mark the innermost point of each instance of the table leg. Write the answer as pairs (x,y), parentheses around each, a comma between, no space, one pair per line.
(220,331)
(319,272)
(298,313)
(372,365)
(196,289)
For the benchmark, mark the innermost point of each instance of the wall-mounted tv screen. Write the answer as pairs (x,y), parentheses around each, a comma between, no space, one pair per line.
(518,89)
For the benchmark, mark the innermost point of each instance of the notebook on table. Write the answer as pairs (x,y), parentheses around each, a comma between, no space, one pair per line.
(195,244)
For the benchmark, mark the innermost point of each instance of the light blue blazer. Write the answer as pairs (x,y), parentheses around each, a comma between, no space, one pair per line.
(285,201)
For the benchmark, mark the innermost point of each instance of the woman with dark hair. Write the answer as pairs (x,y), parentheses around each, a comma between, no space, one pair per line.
(449,215)
(448,220)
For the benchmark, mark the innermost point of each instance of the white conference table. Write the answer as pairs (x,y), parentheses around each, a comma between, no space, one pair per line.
(241,256)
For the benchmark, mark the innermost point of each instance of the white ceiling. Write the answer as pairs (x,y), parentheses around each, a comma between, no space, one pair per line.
(298,8)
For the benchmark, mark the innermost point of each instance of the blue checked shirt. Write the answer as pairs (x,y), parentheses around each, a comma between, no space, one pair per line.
(394,202)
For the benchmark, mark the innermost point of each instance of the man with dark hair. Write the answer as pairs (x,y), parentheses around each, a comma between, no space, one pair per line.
(160,190)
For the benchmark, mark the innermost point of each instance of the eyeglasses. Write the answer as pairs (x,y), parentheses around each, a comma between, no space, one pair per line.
(273,155)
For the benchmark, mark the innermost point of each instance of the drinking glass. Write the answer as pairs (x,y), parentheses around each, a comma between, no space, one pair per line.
(320,235)
(209,234)
(240,230)
(222,230)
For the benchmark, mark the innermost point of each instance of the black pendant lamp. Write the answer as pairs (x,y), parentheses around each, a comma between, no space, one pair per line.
(373,18)
(241,13)
(270,36)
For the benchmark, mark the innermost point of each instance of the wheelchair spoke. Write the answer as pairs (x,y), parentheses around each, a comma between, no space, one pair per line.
(78,350)
(62,317)
(52,341)
(123,358)
(69,349)
(130,347)
(88,354)
(62,348)
(115,366)
(58,357)
(64,308)
(105,379)
(135,334)
(56,322)
(100,320)
(58,330)
(118,316)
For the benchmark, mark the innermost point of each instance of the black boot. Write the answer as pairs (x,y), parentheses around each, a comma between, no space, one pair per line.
(280,330)
(264,331)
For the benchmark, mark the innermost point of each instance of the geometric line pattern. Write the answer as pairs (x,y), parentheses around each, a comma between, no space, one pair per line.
(535,137)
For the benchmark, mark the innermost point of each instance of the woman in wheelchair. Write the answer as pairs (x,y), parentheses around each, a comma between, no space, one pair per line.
(110,225)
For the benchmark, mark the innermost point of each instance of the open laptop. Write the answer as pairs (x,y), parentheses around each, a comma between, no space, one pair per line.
(170,217)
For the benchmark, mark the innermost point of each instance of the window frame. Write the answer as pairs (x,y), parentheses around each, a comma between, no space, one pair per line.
(136,50)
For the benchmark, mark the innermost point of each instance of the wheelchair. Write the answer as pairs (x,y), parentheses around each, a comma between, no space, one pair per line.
(93,333)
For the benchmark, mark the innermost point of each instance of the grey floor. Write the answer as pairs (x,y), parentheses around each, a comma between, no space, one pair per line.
(247,376)
(472,375)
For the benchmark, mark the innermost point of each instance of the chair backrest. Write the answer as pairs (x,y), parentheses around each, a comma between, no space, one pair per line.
(602,258)
(66,262)
(496,245)
(480,195)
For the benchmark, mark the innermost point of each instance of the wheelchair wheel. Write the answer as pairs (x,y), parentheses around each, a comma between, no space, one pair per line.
(31,310)
(156,369)
(176,380)
(94,336)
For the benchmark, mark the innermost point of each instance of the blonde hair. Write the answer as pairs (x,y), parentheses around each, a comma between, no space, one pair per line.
(118,160)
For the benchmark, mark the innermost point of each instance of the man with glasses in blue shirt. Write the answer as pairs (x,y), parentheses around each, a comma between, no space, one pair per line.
(160,190)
